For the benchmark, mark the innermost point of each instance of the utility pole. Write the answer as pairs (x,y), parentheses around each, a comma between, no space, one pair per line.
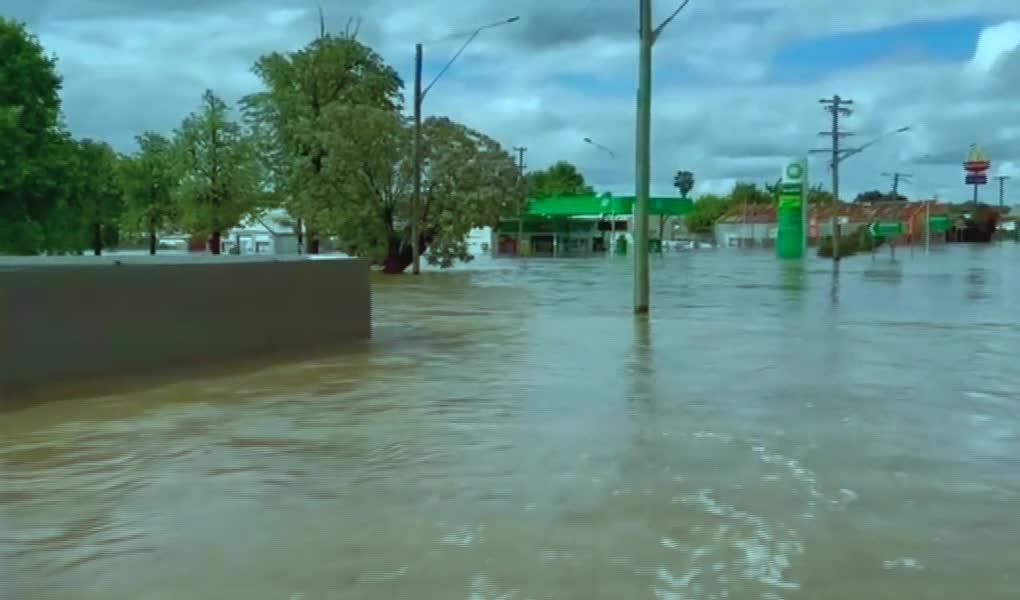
(896,177)
(521,151)
(416,195)
(419,96)
(838,107)
(1002,181)
(642,152)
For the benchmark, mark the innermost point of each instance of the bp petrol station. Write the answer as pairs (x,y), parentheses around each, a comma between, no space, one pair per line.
(791,240)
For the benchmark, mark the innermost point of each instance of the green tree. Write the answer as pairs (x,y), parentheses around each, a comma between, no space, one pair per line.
(29,128)
(750,193)
(290,117)
(219,183)
(683,181)
(149,179)
(469,180)
(706,210)
(817,195)
(875,196)
(96,197)
(560,179)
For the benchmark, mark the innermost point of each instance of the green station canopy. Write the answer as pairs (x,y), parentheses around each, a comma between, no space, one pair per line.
(604,205)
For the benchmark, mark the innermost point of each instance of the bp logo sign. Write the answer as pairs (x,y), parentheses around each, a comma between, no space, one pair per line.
(794,171)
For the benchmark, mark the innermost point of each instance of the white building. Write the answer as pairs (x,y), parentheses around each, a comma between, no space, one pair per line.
(273,233)
(479,241)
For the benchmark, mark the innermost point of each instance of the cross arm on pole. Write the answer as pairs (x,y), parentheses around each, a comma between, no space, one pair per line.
(658,30)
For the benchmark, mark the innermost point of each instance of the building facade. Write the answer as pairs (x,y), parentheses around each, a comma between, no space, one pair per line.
(756,225)
(580,225)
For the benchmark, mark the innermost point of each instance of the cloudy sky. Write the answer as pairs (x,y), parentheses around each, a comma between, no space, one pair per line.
(736,82)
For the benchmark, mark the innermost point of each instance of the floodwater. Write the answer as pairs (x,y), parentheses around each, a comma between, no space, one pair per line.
(774,431)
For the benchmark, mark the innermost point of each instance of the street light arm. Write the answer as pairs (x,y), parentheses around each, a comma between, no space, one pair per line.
(852,151)
(460,51)
(600,146)
(658,30)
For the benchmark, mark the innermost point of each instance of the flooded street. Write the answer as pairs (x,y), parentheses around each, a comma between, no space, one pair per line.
(775,431)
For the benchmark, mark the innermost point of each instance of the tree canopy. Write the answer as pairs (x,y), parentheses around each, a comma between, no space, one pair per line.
(875,196)
(149,180)
(304,91)
(560,179)
(219,177)
(683,181)
(33,145)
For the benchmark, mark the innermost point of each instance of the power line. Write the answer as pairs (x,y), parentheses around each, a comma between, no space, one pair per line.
(837,107)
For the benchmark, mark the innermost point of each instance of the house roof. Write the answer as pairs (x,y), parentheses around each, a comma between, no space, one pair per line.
(276,222)
(856,212)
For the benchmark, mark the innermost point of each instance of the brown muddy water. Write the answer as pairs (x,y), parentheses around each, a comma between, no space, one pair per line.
(511,432)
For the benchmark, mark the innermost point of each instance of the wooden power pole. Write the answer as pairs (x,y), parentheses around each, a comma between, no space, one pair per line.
(896,178)
(1002,182)
(837,107)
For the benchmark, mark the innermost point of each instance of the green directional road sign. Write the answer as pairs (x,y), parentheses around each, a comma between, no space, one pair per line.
(885,228)
(938,222)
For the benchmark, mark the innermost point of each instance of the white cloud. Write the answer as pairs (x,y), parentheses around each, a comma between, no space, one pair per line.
(567,71)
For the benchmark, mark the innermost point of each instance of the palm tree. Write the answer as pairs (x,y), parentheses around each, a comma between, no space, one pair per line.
(683,181)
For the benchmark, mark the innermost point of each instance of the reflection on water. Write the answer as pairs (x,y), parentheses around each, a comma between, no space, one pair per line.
(513,432)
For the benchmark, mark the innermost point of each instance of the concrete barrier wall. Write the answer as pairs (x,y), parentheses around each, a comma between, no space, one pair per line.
(69,320)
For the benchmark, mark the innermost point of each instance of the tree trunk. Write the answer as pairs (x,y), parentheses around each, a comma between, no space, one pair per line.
(312,243)
(152,242)
(97,239)
(398,258)
(214,242)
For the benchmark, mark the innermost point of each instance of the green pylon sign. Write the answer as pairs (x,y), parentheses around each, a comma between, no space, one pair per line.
(791,209)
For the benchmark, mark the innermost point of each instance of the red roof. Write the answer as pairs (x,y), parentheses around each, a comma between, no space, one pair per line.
(856,212)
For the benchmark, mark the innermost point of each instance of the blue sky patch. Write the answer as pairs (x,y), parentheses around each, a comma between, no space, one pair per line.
(947,40)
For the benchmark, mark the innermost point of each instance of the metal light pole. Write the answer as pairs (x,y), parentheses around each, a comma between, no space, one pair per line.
(419,96)
(612,201)
(643,150)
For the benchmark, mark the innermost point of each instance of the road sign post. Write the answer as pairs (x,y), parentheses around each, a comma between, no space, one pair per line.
(790,209)
(883,229)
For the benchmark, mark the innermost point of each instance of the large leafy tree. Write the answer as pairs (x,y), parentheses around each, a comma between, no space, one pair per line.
(95,195)
(32,142)
(705,211)
(290,119)
(149,179)
(219,183)
(469,180)
(560,179)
